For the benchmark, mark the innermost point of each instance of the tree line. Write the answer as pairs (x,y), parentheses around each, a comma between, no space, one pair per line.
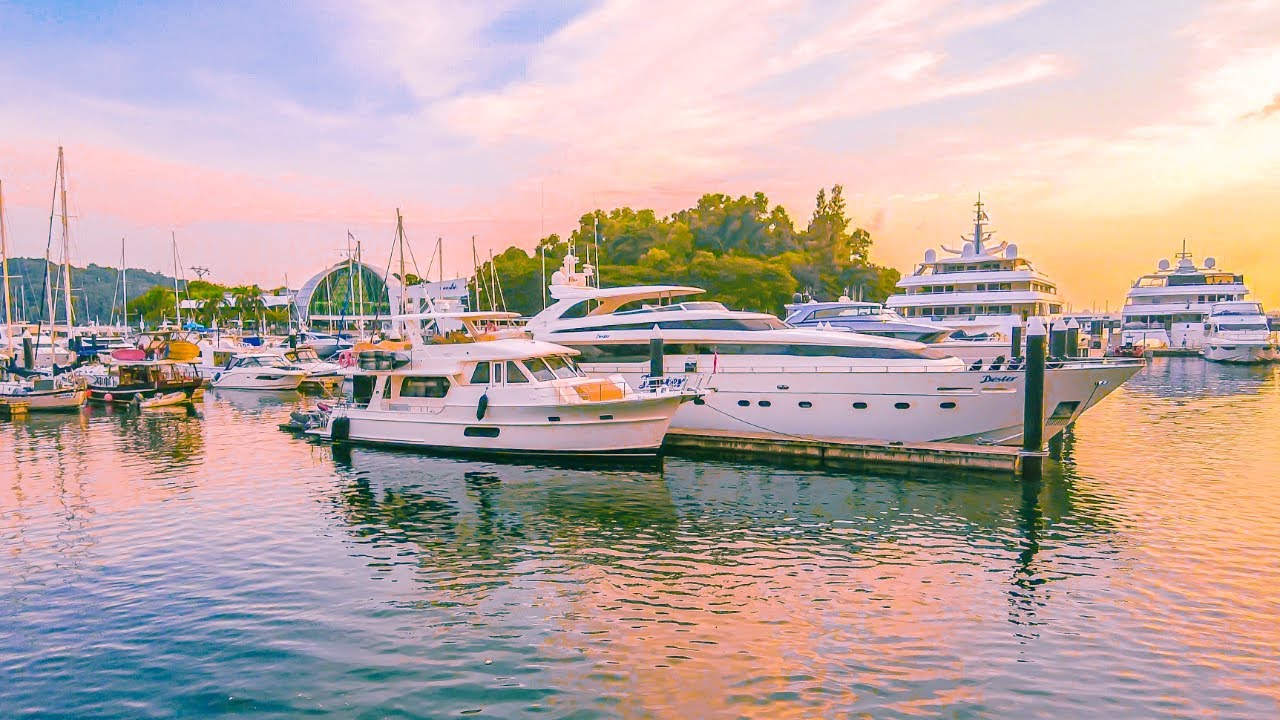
(744,251)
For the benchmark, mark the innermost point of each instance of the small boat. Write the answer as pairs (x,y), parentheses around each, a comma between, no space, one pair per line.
(57,394)
(165,400)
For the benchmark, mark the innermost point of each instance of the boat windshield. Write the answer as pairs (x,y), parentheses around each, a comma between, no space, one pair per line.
(1244,326)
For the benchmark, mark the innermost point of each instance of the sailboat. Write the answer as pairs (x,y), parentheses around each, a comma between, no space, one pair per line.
(43,393)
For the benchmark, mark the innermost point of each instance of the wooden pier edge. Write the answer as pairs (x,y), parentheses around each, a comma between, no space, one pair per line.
(844,453)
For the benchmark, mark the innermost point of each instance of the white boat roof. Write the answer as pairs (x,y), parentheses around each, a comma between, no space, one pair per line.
(473,315)
(491,350)
(633,292)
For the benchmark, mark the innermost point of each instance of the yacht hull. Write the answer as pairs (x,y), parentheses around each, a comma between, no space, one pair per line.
(258,380)
(1240,352)
(983,406)
(68,400)
(625,427)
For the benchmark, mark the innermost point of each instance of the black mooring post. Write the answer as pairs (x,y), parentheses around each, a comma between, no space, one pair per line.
(1015,347)
(28,354)
(1033,402)
(1073,338)
(655,354)
(293,341)
(1057,339)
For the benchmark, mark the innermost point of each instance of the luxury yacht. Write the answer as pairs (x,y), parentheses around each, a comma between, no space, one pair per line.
(1238,332)
(1169,307)
(980,291)
(759,374)
(489,388)
(864,317)
(257,371)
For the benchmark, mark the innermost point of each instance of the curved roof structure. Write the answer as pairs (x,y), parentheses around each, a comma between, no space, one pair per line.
(349,290)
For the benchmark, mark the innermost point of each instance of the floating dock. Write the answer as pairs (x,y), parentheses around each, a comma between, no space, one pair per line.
(11,407)
(845,454)
(1173,352)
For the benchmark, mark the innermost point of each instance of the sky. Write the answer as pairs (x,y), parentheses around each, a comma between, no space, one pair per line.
(1100,134)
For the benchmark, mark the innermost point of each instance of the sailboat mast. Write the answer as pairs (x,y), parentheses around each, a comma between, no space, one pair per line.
(177,301)
(66,243)
(124,287)
(4,258)
(404,282)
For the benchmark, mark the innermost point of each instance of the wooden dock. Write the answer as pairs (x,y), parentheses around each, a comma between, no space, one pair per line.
(844,454)
(13,407)
(1173,352)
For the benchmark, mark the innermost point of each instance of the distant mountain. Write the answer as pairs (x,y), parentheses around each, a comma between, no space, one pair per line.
(96,289)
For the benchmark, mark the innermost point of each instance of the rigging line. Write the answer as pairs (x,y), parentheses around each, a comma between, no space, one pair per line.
(760,427)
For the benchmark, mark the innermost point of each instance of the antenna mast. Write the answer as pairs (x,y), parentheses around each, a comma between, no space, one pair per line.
(4,256)
(177,301)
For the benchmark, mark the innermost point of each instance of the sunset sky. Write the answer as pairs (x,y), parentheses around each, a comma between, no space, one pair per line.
(1100,133)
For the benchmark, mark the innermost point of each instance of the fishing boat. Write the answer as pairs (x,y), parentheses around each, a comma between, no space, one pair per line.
(130,374)
(62,393)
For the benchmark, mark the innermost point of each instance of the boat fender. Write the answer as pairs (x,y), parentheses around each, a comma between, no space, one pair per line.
(482,407)
(341,429)
(108,397)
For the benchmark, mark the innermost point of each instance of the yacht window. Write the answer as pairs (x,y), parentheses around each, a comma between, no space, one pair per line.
(561,366)
(424,387)
(515,374)
(480,376)
(579,310)
(362,389)
(540,370)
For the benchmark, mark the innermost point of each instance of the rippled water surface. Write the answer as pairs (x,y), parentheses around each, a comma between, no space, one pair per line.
(178,564)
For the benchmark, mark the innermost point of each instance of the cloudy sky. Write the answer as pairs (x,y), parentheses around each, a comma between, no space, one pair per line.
(1101,133)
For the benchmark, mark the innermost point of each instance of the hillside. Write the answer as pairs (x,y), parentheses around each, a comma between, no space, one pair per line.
(96,289)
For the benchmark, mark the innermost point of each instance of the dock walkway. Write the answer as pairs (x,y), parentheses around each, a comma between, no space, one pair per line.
(844,453)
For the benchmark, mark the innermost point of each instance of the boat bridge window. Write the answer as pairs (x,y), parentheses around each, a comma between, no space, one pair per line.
(844,312)
(480,376)
(540,370)
(362,388)
(563,367)
(424,387)
(515,374)
(1152,281)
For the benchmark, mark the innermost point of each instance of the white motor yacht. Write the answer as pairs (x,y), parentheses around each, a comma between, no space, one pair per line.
(1238,332)
(324,344)
(257,371)
(488,388)
(759,374)
(1169,307)
(981,292)
(864,317)
(319,372)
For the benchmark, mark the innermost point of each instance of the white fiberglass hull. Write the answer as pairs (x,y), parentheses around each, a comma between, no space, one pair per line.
(897,406)
(623,427)
(258,379)
(1240,351)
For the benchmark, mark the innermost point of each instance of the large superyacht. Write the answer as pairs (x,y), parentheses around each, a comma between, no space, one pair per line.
(983,290)
(1169,307)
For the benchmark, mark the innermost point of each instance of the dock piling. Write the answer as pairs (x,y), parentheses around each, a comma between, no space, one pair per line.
(1015,346)
(1057,340)
(1073,338)
(655,354)
(28,354)
(1033,402)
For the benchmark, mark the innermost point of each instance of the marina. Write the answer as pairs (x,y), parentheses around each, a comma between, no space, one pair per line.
(605,360)
(190,562)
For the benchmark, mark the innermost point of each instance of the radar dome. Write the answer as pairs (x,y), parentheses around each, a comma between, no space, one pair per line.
(1164,265)
(1011,252)
(1210,263)
(968,250)
(931,255)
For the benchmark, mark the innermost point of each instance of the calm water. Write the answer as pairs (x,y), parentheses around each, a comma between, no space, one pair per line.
(173,565)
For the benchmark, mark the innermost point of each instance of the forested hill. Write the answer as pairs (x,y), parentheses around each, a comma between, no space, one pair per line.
(743,251)
(94,288)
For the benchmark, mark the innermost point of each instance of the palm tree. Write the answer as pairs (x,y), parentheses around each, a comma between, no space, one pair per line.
(248,301)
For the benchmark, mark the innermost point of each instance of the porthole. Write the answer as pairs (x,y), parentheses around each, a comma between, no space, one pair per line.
(947,405)
(806,404)
(553,419)
(859,406)
(486,432)
(606,417)
(764,403)
(744,403)
(902,405)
